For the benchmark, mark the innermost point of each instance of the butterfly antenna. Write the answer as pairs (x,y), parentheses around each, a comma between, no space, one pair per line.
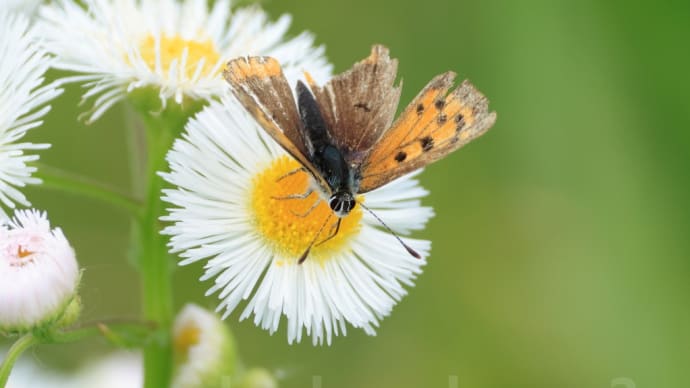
(407,247)
(311,245)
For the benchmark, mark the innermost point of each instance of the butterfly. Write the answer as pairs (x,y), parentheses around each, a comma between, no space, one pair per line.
(343,133)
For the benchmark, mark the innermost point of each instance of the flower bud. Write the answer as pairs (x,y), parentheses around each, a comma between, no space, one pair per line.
(39,274)
(204,349)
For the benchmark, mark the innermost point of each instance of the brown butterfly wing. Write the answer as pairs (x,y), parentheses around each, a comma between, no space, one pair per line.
(359,104)
(261,87)
(432,126)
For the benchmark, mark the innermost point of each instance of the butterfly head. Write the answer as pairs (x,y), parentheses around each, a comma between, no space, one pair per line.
(342,202)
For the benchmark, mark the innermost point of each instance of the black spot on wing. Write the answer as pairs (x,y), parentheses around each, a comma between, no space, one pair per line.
(363,106)
(442,118)
(420,109)
(460,121)
(427,143)
(400,157)
(439,104)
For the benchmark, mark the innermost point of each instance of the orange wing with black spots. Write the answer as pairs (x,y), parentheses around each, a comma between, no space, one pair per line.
(433,125)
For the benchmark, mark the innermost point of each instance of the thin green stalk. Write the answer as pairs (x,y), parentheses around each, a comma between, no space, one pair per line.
(57,179)
(162,126)
(21,345)
(155,266)
(121,333)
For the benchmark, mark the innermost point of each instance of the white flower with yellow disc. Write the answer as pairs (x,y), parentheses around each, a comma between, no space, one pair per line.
(176,47)
(230,211)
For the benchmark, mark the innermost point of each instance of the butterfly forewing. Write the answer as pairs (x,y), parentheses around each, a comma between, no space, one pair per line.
(359,104)
(261,87)
(433,125)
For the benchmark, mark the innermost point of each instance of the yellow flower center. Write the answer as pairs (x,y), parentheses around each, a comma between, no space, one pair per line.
(185,339)
(172,48)
(290,225)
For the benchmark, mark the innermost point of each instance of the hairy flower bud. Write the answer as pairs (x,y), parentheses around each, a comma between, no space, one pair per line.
(204,349)
(39,274)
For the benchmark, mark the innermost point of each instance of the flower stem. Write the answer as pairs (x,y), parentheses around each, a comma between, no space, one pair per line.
(121,333)
(156,271)
(55,178)
(163,124)
(21,345)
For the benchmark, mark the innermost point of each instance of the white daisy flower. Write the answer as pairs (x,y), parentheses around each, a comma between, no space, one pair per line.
(23,99)
(39,274)
(204,349)
(176,47)
(228,173)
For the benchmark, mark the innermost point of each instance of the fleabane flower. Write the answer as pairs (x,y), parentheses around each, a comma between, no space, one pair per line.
(39,274)
(204,349)
(23,99)
(229,210)
(175,47)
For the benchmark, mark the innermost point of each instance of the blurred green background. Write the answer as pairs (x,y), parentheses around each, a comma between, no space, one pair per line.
(560,249)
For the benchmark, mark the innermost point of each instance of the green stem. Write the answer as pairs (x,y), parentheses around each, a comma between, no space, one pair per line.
(162,125)
(22,344)
(121,333)
(54,178)
(155,264)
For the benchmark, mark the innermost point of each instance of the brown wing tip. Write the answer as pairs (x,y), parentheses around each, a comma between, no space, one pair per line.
(471,97)
(244,67)
(379,54)
(476,110)
(379,50)
(443,81)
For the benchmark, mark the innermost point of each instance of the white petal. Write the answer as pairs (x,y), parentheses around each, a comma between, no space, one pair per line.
(23,99)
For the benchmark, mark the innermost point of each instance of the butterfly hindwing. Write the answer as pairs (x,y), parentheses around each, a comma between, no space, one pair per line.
(359,104)
(432,126)
(261,87)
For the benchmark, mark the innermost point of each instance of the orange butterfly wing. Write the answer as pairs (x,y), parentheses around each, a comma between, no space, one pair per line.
(433,125)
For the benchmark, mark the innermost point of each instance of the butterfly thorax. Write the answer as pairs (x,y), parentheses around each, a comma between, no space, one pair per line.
(326,157)
(329,160)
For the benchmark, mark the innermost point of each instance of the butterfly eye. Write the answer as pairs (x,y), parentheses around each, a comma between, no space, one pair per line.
(341,203)
(349,204)
(334,203)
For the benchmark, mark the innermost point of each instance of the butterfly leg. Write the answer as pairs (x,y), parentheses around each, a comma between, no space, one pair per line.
(333,233)
(311,209)
(311,245)
(291,173)
(296,196)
